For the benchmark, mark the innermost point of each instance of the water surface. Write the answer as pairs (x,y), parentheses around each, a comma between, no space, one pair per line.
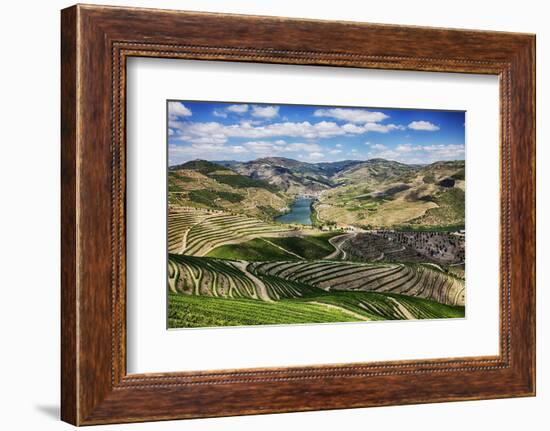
(300,212)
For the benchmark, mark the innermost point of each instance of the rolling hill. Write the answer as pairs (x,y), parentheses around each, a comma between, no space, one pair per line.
(203,184)
(291,176)
(382,194)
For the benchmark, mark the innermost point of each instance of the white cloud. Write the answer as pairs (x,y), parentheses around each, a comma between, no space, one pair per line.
(382,128)
(338,145)
(302,147)
(215,150)
(316,155)
(178,109)
(423,125)
(204,140)
(261,147)
(408,153)
(371,127)
(219,113)
(335,151)
(352,128)
(220,131)
(235,109)
(180,153)
(238,109)
(351,115)
(405,148)
(265,111)
(377,146)
(445,151)
(280,146)
(255,130)
(248,122)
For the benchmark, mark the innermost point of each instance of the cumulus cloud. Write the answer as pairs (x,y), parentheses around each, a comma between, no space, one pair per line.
(262,147)
(277,147)
(204,139)
(405,148)
(409,153)
(335,151)
(216,150)
(352,115)
(220,131)
(252,129)
(178,109)
(445,151)
(219,113)
(180,153)
(238,109)
(377,146)
(265,111)
(302,147)
(382,128)
(315,155)
(423,125)
(371,127)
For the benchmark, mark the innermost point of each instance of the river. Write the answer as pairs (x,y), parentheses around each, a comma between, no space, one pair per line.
(300,212)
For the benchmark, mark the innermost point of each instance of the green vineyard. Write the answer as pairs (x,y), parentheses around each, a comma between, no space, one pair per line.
(413,280)
(196,232)
(216,292)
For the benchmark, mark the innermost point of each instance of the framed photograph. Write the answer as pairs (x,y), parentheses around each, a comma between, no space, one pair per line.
(264,214)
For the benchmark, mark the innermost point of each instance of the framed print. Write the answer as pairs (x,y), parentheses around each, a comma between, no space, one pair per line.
(323,222)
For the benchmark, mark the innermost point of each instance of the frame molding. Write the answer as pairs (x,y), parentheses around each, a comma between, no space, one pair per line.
(96,41)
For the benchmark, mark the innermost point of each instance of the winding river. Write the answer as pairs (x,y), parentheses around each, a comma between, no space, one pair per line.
(300,212)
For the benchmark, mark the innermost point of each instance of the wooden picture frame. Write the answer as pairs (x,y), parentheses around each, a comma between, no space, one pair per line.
(95,43)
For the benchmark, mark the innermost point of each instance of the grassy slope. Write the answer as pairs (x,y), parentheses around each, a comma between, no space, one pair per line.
(256,250)
(309,247)
(379,306)
(450,211)
(252,251)
(187,311)
(200,311)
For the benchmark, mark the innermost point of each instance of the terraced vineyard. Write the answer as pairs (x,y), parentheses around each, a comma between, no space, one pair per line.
(420,281)
(179,223)
(441,248)
(216,292)
(195,232)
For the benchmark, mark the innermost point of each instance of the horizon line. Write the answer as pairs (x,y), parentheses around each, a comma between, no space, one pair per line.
(217,161)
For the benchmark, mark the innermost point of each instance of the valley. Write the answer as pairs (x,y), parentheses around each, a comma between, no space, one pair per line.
(276,240)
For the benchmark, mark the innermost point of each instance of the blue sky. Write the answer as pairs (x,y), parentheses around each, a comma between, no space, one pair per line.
(247,131)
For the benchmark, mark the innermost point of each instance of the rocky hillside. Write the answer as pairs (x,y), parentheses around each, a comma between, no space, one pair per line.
(202,184)
(291,176)
(379,193)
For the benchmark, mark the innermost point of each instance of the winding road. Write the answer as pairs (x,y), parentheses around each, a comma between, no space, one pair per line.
(338,242)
